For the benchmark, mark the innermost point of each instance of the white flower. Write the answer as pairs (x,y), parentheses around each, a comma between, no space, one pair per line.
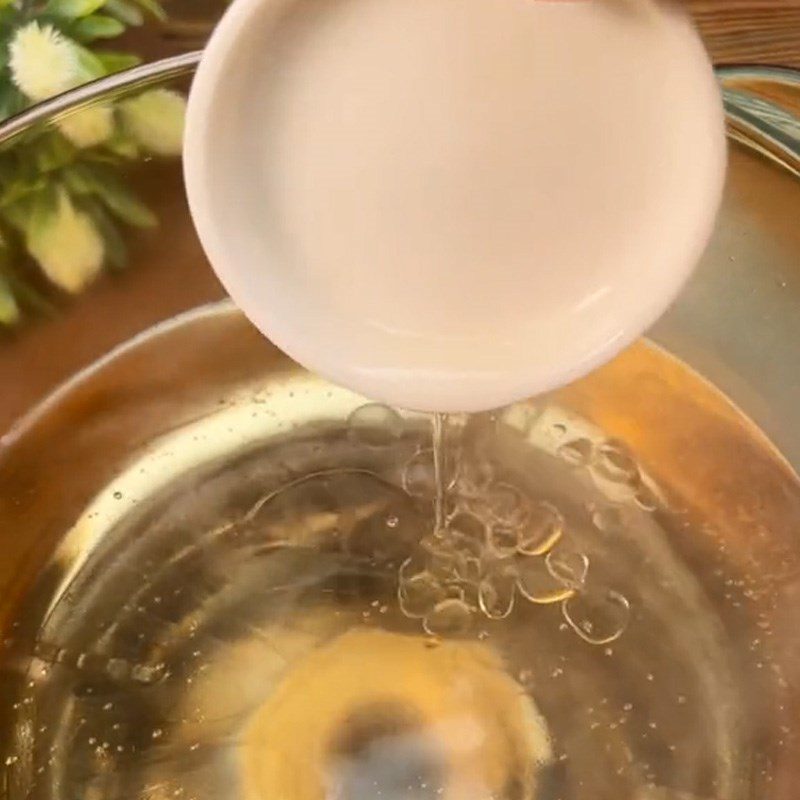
(89,126)
(155,120)
(68,246)
(43,62)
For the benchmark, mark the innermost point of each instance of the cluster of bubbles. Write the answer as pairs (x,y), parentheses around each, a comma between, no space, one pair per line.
(498,547)
(613,470)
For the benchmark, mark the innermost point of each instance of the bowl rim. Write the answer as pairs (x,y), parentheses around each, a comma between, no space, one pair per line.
(751,118)
(142,75)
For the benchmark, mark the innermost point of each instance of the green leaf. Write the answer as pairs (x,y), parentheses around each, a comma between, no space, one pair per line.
(73,9)
(91,66)
(99,156)
(5,38)
(54,151)
(12,101)
(97,26)
(114,62)
(112,192)
(124,11)
(11,17)
(28,296)
(122,145)
(43,208)
(9,310)
(8,171)
(17,214)
(153,7)
(21,189)
(115,249)
(125,205)
(76,179)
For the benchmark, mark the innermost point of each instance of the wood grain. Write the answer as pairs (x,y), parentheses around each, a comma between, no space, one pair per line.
(736,31)
(750,31)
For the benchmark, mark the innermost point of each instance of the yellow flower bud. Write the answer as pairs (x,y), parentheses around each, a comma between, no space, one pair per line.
(67,246)
(155,120)
(89,126)
(43,62)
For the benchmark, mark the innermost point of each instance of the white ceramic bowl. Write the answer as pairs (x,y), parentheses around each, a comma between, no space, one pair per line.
(453,204)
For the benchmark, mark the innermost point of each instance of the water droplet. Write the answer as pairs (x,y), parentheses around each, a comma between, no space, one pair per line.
(147,673)
(375,425)
(543,530)
(577,452)
(118,495)
(599,616)
(474,476)
(454,591)
(468,568)
(496,594)
(567,566)
(448,618)
(646,498)
(466,534)
(503,541)
(440,558)
(418,475)
(157,733)
(392,521)
(607,518)
(419,593)
(506,505)
(536,584)
(614,463)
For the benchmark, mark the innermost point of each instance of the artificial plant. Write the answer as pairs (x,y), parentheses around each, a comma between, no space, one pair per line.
(63,200)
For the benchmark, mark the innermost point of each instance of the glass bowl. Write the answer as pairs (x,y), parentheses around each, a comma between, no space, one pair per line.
(218,573)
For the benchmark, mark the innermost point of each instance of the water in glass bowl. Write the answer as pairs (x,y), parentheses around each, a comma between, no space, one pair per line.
(287,620)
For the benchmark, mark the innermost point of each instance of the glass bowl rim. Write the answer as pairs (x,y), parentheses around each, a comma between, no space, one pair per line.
(762,123)
(139,76)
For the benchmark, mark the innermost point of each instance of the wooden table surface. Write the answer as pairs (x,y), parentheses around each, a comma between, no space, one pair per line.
(750,31)
(737,31)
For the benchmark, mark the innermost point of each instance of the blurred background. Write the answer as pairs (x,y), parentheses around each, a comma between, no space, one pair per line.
(736,31)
